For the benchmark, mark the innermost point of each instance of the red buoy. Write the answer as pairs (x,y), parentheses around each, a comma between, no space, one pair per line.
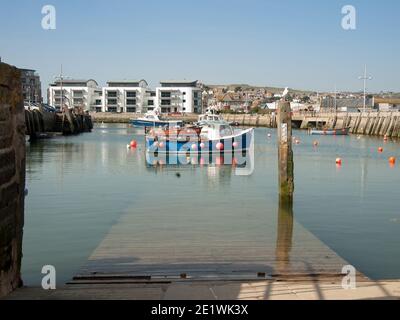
(133,144)
(339,161)
(380,149)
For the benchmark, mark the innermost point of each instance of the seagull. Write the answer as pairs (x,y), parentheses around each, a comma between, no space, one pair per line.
(285,92)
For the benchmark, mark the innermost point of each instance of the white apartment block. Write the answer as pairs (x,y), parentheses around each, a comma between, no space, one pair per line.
(179,96)
(125,96)
(76,94)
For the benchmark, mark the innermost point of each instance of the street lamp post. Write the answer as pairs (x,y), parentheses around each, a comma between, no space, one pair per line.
(365,77)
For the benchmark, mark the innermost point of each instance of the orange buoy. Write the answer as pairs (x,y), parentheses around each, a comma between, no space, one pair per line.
(380,149)
(133,144)
(339,161)
(392,160)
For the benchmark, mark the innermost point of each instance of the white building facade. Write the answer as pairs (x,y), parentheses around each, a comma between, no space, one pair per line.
(179,96)
(73,94)
(125,96)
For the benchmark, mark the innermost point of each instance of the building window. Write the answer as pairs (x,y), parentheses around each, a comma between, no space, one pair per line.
(78,101)
(165,94)
(130,109)
(130,102)
(195,95)
(152,94)
(196,102)
(112,109)
(112,94)
(112,101)
(98,102)
(165,110)
(131,94)
(77,93)
(184,100)
(165,102)
(150,103)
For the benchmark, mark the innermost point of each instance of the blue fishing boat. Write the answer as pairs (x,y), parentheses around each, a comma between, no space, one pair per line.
(212,137)
(330,132)
(153,119)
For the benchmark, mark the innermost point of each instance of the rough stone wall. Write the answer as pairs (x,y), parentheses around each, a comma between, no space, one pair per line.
(12,177)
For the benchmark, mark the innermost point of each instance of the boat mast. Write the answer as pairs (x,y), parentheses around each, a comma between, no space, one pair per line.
(335,99)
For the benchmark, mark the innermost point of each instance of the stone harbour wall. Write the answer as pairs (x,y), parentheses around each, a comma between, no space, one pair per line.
(12,177)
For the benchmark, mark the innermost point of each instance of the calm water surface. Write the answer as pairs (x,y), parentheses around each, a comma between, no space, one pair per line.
(81,186)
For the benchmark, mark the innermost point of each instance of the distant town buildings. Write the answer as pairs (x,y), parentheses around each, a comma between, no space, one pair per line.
(387,104)
(183,96)
(31,86)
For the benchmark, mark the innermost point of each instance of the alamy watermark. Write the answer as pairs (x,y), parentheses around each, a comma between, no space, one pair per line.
(349,19)
(49,18)
(349,280)
(49,280)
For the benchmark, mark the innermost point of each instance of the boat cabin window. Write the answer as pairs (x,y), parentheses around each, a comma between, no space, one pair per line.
(225,130)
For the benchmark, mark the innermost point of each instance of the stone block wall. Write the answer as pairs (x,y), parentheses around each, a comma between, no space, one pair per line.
(12,177)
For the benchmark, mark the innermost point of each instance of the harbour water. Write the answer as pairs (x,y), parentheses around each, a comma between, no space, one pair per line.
(82,189)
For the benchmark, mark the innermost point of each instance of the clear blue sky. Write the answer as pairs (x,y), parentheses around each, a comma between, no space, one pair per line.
(292,43)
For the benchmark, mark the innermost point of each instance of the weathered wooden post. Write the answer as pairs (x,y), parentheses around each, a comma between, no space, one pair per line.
(285,153)
(284,234)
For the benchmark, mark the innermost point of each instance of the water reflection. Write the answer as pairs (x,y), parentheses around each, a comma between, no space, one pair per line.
(240,163)
(284,234)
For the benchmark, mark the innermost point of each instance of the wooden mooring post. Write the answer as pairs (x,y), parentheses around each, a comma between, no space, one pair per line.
(285,152)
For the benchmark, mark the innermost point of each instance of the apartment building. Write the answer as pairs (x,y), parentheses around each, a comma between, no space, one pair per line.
(73,94)
(31,86)
(125,96)
(179,96)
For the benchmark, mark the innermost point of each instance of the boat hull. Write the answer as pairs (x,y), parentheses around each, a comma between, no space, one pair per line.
(146,123)
(238,142)
(330,132)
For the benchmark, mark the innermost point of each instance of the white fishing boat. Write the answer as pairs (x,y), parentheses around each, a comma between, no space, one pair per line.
(209,116)
(211,137)
(153,118)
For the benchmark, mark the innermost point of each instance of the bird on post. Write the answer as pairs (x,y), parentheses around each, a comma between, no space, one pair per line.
(285,93)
